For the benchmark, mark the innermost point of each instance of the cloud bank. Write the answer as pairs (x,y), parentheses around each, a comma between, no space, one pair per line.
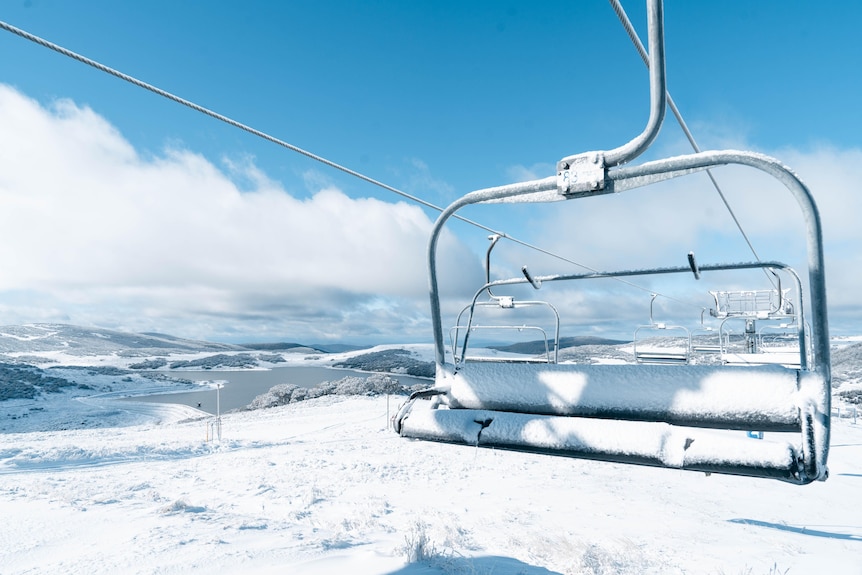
(93,232)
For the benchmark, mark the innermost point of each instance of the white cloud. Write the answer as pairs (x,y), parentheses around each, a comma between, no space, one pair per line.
(521,173)
(93,230)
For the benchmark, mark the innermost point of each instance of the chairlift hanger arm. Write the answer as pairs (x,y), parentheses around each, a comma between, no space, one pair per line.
(658,98)
(804,396)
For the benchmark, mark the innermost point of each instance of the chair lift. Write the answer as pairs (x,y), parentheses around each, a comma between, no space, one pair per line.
(775,311)
(662,353)
(782,338)
(675,416)
(705,340)
(504,303)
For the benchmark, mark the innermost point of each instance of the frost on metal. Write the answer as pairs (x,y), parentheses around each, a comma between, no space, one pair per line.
(681,416)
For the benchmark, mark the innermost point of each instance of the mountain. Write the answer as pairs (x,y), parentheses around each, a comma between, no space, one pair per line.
(278,346)
(91,341)
(87,341)
(319,347)
(338,347)
(538,346)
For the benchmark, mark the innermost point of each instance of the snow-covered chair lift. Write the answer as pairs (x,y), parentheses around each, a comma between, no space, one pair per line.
(460,342)
(706,339)
(676,416)
(774,311)
(661,330)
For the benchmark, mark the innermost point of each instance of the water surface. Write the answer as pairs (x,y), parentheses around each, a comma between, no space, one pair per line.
(240,387)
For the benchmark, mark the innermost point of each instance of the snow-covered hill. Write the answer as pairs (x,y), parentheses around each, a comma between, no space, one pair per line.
(90,484)
(86,341)
(324,487)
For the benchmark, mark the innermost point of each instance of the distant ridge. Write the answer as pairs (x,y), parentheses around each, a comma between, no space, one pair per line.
(338,347)
(88,341)
(277,346)
(538,346)
(321,347)
(78,340)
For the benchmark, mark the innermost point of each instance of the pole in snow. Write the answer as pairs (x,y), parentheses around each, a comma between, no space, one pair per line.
(219,385)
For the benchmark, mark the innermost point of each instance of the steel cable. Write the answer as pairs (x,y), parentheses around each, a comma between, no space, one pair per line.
(231,122)
(629,28)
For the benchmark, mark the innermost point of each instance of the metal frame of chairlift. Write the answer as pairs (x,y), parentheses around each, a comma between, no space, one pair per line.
(503,303)
(677,416)
(700,348)
(665,355)
(752,306)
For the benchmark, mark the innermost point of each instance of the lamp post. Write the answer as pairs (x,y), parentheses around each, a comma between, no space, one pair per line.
(218,408)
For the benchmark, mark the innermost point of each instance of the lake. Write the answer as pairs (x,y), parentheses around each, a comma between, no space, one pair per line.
(242,386)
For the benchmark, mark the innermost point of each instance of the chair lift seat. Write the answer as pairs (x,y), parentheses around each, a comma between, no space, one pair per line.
(645,443)
(757,397)
(648,414)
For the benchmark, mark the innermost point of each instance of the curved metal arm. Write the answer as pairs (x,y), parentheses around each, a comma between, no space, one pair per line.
(651,302)
(494,238)
(658,93)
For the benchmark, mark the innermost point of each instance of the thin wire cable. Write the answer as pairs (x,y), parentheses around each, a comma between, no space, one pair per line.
(217,116)
(256,132)
(629,28)
(231,122)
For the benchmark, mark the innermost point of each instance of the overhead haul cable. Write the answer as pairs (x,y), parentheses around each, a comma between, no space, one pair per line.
(633,35)
(236,124)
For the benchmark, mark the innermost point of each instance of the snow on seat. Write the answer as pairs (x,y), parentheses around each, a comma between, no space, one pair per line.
(683,417)
(646,443)
(758,397)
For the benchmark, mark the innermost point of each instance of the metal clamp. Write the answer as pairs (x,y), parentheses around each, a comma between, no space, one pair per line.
(581,173)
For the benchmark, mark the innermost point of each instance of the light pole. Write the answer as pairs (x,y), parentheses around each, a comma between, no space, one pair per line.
(218,408)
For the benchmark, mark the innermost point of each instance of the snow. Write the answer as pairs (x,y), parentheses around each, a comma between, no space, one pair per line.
(90,483)
(767,394)
(325,486)
(646,442)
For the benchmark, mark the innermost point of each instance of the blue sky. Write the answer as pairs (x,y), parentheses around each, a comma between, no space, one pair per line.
(125,210)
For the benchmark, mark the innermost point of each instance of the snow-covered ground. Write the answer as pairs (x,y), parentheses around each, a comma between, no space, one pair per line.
(92,484)
(325,487)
